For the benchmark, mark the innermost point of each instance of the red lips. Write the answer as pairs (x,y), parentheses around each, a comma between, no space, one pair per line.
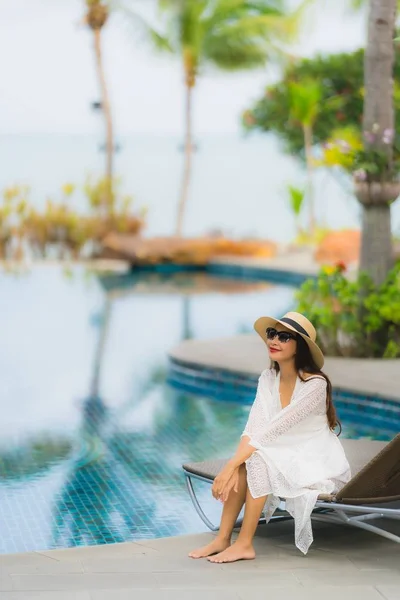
(273,350)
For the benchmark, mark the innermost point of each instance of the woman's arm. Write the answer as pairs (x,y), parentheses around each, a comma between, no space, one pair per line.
(245,449)
(243,452)
(223,483)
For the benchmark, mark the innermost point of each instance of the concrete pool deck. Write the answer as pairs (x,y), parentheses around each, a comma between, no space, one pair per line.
(247,354)
(344,564)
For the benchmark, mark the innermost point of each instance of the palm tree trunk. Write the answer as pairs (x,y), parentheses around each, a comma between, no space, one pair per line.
(376,241)
(308,135)
(106,107)
(187,169)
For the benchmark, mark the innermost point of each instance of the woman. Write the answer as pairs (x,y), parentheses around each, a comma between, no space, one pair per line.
(288,448)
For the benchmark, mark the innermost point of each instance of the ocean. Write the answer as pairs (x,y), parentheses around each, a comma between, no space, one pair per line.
(238,186)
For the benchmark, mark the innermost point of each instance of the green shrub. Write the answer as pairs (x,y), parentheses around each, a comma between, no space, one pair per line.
(353,318)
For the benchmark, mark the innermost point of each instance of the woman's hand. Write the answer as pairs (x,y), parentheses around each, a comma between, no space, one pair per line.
(222,480)
(233,484)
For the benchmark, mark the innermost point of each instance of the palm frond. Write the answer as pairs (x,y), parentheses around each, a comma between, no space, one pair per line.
(305,99)
(235,52)
(232,34)
(233,10)
(141,28)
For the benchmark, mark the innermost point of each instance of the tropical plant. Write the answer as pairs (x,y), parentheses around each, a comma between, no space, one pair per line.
(296,197)
(347,89)
(354,318)
(12,214)
(228,34)
(341,104)
(58,229)
(304,108)
(370,164)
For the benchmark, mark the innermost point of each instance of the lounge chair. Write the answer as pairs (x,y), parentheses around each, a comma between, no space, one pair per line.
(372,493)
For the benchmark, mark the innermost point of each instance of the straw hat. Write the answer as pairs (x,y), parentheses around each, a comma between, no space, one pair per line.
(297,323)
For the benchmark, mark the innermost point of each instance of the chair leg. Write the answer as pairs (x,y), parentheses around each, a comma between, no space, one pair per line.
(197,506)
(340,517)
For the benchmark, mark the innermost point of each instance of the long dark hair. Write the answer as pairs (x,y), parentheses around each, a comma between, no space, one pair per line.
(304,361)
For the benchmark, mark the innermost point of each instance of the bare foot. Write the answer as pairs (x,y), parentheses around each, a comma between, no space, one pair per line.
(217,545)
(233,553)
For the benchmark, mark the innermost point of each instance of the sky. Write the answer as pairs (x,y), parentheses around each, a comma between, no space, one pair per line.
(48,81)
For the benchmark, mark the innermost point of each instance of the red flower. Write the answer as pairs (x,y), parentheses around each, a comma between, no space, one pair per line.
(341,266)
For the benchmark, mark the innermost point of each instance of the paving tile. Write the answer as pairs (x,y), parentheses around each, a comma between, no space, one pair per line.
(148,564)
(224,578)
(83,582)
(6,583)
(162,594)
(46,566)
(351,544)
(45,595)
(390,592)
(292,562)
(181,543)
(353,592)
(313,577)
(26,558)
(104,550)
(374,562)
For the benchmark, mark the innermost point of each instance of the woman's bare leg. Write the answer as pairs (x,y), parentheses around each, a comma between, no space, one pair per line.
(230,513)
(243,548)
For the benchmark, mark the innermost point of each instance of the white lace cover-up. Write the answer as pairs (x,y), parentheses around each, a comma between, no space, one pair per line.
(297,456)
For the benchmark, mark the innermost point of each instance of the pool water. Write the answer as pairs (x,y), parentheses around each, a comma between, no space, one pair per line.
(92,437)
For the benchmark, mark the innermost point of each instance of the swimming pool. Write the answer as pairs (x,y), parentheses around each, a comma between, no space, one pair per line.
(92,436)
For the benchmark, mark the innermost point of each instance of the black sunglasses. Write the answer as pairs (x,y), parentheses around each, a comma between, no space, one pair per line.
(283,336)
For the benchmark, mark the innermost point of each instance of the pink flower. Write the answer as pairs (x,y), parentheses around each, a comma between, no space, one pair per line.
(369,137)
(344,146)
(360,175)
(388,136)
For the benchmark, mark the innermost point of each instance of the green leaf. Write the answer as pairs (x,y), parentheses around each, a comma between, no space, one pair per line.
(296,198)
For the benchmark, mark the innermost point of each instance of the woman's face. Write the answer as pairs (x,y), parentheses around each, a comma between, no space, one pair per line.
(281,351)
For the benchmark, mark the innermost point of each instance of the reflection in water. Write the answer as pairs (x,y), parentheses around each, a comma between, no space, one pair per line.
(98,503)
(108,469)
(33,458)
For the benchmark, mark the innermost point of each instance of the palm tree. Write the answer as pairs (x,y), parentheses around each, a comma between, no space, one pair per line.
(98,12)
(229,34)
(376,240)
(305,104)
